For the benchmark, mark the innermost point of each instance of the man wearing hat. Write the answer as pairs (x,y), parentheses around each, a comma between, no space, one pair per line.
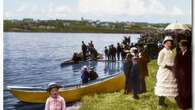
(183,74)
(166,81)
(144,60)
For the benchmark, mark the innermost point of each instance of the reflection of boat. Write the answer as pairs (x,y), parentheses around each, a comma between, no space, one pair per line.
(69,62)
(70,93)
(28,106)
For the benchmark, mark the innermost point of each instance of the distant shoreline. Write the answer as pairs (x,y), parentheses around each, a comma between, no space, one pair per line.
(74,32)
(82,26)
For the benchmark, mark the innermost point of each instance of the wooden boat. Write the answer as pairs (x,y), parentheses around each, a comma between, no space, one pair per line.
(72,93)
(70,61)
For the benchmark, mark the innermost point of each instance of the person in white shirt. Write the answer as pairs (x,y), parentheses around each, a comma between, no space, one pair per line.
(166,82)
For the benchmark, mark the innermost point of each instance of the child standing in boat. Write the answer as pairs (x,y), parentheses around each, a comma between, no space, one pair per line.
(54,101)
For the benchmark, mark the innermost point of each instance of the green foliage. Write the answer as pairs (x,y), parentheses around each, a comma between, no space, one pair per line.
(119,101)
(74,26)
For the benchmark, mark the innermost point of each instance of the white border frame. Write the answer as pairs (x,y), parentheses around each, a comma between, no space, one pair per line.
(1,54)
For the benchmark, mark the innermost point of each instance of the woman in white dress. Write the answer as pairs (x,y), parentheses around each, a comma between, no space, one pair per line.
(166,81)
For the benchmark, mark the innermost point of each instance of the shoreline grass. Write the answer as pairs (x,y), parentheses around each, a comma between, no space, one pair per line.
(119,101)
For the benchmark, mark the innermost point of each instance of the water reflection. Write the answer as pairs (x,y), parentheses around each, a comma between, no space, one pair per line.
(28,106)
(109,67)
(112,67)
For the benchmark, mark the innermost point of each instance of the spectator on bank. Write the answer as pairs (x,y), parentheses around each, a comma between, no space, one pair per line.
(183,73)
(166,85)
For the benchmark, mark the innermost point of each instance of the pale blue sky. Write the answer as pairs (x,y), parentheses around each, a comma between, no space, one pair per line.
(105,10)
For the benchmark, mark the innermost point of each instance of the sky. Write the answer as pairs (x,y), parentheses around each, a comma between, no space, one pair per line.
(154,11)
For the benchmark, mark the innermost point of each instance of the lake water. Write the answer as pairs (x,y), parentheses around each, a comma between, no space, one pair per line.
(33,59)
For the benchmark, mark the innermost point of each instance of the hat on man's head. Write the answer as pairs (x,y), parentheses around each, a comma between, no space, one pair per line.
(53,85)
(167,38)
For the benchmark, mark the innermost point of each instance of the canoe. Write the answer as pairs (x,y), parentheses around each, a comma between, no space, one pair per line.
(70,62)
(72,93)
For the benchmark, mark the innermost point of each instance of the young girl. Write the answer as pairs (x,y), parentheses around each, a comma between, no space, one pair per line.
(166,81)
(54,101)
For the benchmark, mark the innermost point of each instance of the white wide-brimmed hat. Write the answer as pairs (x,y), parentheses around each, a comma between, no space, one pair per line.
(167,38)
(84,67)
(53,85)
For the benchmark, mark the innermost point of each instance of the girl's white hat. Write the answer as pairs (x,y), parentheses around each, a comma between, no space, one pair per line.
(53,85)
(84,67)
(167,38)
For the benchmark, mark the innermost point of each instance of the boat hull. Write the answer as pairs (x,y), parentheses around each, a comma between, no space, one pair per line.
(72,94)
(70,61)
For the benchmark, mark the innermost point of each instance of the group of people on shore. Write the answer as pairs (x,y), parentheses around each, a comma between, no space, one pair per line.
(113,53)
(174,76)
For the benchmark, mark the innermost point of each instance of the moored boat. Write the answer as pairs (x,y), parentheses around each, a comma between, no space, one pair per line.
(70,61)
(70,93)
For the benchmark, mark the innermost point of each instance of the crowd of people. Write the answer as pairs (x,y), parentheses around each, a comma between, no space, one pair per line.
(88,51)
(173,79)
(174,76)
(113,53)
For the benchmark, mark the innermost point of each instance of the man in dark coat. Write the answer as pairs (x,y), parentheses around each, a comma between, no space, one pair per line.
(94,53)
(123,54)
(114,53)
(106,52)
(84,50)
(118,50)
(144,60)
(183,74)
(110,53)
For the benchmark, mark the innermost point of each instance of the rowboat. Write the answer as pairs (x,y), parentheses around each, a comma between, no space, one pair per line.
(70,61)
(73,93)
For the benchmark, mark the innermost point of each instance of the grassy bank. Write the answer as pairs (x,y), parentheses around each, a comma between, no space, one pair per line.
(119,101)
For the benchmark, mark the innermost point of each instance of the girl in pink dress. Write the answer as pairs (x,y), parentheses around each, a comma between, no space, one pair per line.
(54,101)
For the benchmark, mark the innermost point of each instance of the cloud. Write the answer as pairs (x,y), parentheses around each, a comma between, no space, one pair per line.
(111,10)
(127,7)
(49,11)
